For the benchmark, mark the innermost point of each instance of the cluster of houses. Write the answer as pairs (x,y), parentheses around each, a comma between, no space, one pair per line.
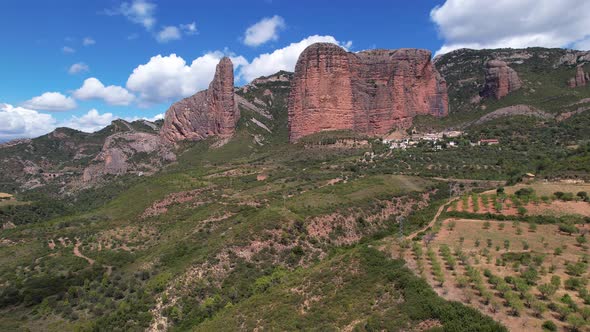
(438,140)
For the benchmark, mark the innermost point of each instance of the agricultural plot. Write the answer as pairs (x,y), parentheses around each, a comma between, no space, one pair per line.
(526,276)
(522,201)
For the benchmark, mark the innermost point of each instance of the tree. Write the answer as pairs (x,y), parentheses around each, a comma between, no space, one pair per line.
(532,227)
(576,321)
(556,281)
(538,308)
(581,240)
(576,269)
(563,311)
(451,225)
(549,325)
(568,228)
(515,303)
(585,312)
(547,290)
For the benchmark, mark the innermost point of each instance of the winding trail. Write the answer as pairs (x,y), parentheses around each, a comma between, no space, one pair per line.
(77,252)
(433,221)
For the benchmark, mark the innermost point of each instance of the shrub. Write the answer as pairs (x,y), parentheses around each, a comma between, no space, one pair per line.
(549,326)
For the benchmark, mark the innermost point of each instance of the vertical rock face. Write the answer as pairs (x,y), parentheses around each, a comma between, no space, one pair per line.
(321,92)
(500,80)
(212,112)
(581,79)
(370,92)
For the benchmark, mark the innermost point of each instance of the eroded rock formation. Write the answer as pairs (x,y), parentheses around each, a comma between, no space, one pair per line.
(580,79)
(500,80)
(129,152)
(370,92)
(211,112)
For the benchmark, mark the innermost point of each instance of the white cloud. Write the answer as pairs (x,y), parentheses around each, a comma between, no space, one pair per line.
(168,33)
(68,50)
(89,122)
(283,58)
(88,41)
(112,94)
(154,118)
(138,11)
(166,78)
(190,28)
(51,101)
(78,68)
(516,24)
(264,30)
(19,122)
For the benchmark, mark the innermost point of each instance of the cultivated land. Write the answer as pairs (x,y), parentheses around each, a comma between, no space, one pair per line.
(522,269)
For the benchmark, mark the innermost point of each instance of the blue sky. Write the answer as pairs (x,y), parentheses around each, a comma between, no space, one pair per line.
(84,63)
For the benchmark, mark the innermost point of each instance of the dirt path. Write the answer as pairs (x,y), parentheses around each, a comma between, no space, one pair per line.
(433,221)
(77,252)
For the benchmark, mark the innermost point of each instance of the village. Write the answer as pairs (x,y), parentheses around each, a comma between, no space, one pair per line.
(437,140)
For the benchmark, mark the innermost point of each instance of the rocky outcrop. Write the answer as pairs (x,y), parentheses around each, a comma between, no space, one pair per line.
(524,110)
(500,80)
(580,79)
(129,153)
(212,112)
(370,92)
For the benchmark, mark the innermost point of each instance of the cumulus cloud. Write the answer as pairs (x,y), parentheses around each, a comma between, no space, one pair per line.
(68,50)
(283,58)
(20,122)
(112,94)
(524,23)
(168,33)
(190,28)
(137,11)
(264,30)
(154,118)
(51,101)
(78,68)
(89,122)
(88,41)
(165,78)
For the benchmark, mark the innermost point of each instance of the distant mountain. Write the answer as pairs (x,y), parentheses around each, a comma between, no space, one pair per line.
(483,85)
(71,159)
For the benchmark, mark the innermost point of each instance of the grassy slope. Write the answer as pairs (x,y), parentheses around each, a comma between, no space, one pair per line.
(544,85)
(183,240)
(357,288)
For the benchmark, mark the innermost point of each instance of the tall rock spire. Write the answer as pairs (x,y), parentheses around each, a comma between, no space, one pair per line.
(211,112)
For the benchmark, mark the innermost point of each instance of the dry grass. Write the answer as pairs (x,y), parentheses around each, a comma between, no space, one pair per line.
(548,188)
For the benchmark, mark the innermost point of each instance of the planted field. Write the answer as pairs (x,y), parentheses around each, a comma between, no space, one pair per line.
(523,275)
(552,200)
